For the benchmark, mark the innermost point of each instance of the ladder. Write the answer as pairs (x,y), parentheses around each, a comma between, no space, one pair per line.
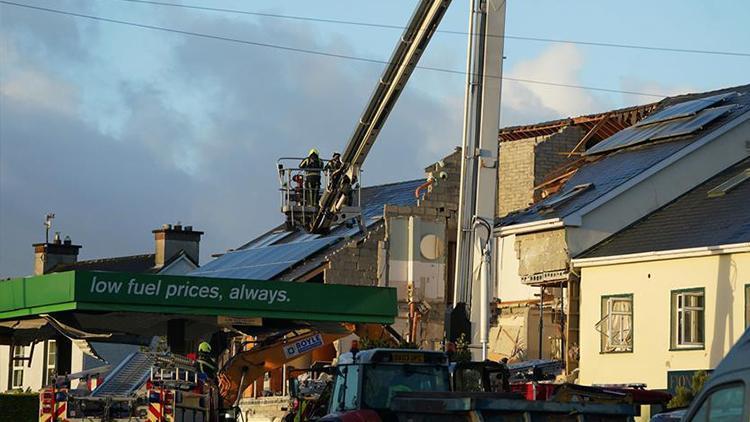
(127,377)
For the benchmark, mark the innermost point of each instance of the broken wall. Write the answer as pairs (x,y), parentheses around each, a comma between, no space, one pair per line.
(526,163)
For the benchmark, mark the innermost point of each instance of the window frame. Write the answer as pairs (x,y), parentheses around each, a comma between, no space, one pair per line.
(604,303)
(674,319)
(747,309)
(16,365)
(47,366)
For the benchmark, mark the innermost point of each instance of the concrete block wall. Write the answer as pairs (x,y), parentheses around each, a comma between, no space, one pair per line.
(516,174)
(551,154)
(442,196)
(356,263)
(526,163)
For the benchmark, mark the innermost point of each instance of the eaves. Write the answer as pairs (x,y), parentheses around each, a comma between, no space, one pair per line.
(661,255)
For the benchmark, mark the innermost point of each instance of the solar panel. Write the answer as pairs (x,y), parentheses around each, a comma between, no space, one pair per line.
(262,263)
(667,129)
(684,109)
(624,138)
(687,126)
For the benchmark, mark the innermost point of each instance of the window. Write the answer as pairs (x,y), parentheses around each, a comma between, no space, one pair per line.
(747,305)
(346,388)
(729,184)
(50,362)
(725,404)
(688,319)
(616,325)
(19,352)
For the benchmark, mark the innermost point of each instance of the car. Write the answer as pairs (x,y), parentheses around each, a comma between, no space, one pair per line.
(724,395)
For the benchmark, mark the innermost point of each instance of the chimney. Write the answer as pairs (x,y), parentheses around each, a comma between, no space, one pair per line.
(170,240)
(48,255)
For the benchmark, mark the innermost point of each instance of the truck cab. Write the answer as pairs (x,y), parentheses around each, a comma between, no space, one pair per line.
(366,382)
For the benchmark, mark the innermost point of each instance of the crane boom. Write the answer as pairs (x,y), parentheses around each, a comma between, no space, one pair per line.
(404,59)
(479,164)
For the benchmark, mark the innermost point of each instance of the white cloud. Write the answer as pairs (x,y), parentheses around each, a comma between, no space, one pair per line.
(23,82)
(636,84)
(527,103)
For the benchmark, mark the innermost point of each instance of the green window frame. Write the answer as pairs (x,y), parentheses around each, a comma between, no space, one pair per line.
(616,324)
(688,319)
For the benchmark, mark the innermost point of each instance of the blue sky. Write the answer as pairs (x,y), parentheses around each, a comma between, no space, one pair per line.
(120,129)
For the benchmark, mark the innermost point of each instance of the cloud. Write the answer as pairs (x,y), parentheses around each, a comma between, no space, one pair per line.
(197,133)
(527,103)
(636,84)
(23,82)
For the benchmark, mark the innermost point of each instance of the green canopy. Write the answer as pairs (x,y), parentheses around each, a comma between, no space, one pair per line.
(123,292)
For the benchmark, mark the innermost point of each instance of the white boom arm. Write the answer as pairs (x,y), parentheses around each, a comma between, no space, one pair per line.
(478,195)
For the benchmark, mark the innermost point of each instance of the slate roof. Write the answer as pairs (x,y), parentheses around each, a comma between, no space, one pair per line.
(692,220)
(131,264)
(608,171)
(279,250)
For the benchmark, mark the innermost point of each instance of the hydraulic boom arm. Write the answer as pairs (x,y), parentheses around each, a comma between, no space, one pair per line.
(404,59)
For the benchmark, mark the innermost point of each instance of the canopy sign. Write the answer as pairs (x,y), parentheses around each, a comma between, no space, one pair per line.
(107,291)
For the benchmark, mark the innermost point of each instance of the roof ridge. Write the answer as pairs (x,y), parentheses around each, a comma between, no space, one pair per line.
(114,258)
(393,183)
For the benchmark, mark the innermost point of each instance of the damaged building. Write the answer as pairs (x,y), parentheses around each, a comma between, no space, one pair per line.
(685,141)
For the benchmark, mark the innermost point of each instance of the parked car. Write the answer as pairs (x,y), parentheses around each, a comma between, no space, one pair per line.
(724,395)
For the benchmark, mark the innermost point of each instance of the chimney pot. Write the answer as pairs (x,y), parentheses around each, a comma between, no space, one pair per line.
(56,240)
(178,227)
(188,228)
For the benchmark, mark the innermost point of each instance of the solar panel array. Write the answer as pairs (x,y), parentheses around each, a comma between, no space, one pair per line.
(262,263)
(277,251)
(684,109)
(662,129)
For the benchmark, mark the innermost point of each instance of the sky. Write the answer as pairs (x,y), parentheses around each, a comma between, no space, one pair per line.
(120,129)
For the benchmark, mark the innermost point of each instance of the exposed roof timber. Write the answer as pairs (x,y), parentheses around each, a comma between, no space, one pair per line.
(616,120)
(601,123)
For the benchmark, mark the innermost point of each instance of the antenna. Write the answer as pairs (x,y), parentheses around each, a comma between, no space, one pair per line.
(47,225)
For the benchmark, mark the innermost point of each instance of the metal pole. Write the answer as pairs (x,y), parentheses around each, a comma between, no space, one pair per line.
(541,319)
(484,297)
(283,381)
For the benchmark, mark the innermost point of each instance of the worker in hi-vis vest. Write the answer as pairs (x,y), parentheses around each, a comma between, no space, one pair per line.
(206,364)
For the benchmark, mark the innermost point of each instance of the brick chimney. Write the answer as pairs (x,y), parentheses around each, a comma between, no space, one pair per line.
(170,240)
(48,255)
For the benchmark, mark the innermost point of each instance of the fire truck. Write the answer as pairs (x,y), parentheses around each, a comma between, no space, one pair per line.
(146,386)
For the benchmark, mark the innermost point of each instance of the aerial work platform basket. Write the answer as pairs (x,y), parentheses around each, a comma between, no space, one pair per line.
(301,191)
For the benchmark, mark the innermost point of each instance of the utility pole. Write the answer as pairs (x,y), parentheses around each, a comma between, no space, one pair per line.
(478,195)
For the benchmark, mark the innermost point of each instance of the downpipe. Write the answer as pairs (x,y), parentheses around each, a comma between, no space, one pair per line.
(484,280)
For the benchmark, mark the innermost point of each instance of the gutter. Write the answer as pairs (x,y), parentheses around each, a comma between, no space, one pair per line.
(661,255)
(534,226)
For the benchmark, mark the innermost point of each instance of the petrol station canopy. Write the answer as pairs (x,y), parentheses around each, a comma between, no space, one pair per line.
(132,308)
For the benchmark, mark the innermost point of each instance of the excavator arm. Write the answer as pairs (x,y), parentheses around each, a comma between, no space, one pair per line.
(403,60)
(245,367)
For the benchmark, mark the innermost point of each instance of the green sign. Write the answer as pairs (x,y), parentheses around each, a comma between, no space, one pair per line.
(102,291)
